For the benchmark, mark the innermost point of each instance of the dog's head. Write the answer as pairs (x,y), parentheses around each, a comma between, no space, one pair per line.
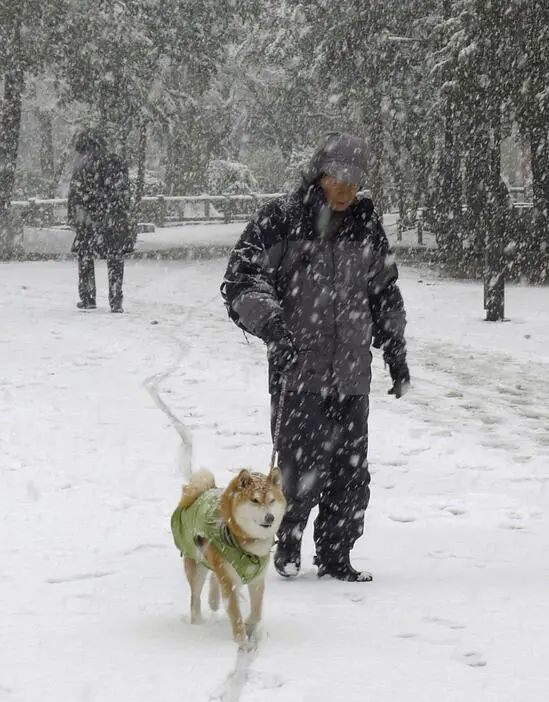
(254,503)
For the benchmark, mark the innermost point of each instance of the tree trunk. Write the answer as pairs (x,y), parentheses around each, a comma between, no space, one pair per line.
(140,182)
(448,195)
(494,260)
(47,159)
(448,210)
(10,126)
(376,181)
(539,151)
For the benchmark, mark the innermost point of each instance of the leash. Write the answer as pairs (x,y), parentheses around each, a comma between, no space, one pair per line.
(278,420)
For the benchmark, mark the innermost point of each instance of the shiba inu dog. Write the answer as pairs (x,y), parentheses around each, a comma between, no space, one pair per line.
(230,532)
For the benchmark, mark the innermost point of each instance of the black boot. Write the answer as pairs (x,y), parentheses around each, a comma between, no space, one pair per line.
(287,558)
(340,568)
(86,305)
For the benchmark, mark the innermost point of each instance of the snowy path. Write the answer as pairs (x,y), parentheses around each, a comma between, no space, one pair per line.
(93,602)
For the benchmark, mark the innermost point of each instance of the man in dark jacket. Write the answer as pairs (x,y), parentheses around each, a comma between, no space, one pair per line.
(313,276)
(98,209)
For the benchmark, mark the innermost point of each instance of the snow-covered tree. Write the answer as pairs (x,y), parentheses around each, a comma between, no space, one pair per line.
(230,178)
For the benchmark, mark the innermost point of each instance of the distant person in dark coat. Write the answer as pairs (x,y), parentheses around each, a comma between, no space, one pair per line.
(313,276)
(98,209)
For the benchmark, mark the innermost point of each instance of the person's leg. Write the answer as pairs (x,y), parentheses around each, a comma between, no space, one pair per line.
(305,448)
(86,281)
(115,270)
(343,502)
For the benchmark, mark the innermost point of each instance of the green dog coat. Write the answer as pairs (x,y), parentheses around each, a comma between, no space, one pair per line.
(202,522)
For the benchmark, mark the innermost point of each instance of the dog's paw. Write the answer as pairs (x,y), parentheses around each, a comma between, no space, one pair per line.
(251,628)
(197,619)
(247,646)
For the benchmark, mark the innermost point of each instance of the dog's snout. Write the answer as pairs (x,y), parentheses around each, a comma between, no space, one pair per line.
(269,518)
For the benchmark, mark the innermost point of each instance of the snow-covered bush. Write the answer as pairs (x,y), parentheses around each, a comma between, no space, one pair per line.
(230,178)
(297,164)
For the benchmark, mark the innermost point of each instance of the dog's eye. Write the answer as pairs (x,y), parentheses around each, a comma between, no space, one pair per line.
(255,501)
(271,502)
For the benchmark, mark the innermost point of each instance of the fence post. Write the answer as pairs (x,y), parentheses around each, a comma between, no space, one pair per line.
(160,211)
(255,200)
(399,228)
(420,226)
(33,218)
(228,208)
(207,209)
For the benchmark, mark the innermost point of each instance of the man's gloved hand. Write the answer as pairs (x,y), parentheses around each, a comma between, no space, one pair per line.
(280,343)
(400,376)
(283,354)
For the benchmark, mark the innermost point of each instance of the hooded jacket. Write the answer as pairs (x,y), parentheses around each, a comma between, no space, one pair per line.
(335,288)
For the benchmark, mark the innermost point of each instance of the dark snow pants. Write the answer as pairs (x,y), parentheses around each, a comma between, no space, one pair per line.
(86,279)
(323,456)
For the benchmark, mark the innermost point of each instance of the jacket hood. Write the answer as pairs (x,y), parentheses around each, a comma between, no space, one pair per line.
(342,156)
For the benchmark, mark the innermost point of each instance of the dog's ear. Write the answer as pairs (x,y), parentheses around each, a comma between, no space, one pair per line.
(244,479)
(275,476)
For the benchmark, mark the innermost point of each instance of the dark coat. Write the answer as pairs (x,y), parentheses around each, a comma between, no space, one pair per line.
(335,293)
(118,238)
(86,207)
(98,205)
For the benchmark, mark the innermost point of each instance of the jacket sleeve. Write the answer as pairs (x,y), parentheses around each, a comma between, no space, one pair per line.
(71,214)
(386,303)
(74,202)
(248,288)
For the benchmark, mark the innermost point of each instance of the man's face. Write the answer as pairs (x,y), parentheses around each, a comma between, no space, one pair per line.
(339,195)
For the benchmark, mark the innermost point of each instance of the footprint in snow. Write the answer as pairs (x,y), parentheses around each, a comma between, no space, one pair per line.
(443,432)
(521,459)
(397,463)
(513,526)
(443,622)
(265,681)
(456,511)
(490,420)
(416,451)
(403,518)
(78,576)
(353,597)
(474,659)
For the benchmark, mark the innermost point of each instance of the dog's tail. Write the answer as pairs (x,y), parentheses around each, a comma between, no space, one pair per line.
(201,481)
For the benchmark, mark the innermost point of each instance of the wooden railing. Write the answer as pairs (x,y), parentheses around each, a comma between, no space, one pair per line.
(160,210)
(171,210)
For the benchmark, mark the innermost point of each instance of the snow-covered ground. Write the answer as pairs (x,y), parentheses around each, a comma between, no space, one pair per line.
(93,601)
(57,241)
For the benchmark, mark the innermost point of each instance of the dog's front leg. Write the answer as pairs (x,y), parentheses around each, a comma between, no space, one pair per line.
(256,589)
(196,575)
(229,582)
